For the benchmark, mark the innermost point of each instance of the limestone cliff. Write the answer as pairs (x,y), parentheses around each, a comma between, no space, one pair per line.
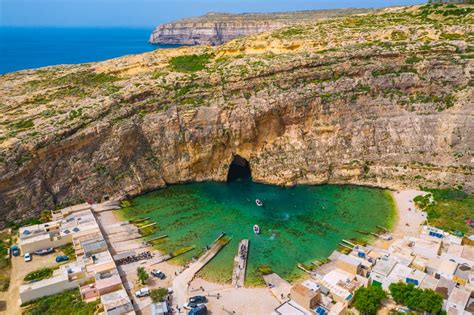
(218,28)
(383,100)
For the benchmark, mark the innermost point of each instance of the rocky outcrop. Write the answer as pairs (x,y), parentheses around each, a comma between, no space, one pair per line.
(218,28)
(391,106)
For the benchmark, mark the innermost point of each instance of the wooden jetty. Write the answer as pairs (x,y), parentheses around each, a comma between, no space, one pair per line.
(136,221)
(347,242)
(240,264)
(147,225)
(157,238)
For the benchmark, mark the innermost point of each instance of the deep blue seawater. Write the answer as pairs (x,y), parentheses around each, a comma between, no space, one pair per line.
(27,47)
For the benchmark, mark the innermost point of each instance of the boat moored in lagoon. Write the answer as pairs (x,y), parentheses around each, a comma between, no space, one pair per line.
(259,202)
(256,229)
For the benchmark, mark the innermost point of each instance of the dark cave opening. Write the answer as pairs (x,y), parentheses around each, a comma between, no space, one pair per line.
(239,169)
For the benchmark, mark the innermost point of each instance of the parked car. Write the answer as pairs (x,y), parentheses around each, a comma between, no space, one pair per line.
(198,299)
(170,291)
(27,257)
(15,250)
(158,274)
(200,310)
(61,258)
(190,305)
(142,292)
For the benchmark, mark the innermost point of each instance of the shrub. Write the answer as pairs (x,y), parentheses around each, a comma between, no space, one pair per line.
(21,124)
(398,36)
(158,295)
(189,63)
(68,250)
(142,275)
(67,302)
(39,274)
(369,300)
(422,300)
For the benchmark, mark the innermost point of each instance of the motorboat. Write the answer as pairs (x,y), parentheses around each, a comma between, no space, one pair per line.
(256,229)
(259,202)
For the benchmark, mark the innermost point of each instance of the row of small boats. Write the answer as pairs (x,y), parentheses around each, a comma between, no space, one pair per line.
(256,228)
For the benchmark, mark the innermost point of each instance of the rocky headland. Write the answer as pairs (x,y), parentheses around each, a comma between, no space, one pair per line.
(218,28)
(384,99)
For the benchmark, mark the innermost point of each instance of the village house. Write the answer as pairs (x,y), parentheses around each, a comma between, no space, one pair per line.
(68,276)
(57,233)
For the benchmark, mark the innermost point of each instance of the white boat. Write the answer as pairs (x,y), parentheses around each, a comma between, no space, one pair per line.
(256,229)
(259,202)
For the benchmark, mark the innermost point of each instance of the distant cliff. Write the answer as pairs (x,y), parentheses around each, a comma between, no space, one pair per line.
(218,28)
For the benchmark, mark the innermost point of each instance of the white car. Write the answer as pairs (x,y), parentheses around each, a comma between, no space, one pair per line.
(27,257)
(142,292)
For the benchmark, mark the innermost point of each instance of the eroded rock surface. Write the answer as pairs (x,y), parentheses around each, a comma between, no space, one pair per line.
(383,100)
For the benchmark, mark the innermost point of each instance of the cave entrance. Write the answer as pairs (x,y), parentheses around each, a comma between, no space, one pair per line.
(239,169)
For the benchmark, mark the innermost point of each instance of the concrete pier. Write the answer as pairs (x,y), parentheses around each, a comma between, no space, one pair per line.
(240,264)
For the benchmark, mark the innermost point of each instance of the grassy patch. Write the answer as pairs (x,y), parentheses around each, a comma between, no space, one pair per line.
(68,302)
(18,224)
(86,78)
(39,274)
(447,209)
(5,243)
(290,32)
(398,36)
(189,63)
(21,124)
(402,69)
(68,250)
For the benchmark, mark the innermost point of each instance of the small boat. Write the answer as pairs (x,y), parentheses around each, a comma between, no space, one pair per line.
(259,202)
(256,229)
(44,251)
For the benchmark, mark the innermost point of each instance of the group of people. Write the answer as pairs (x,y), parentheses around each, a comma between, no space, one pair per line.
(135,258)
(243,251)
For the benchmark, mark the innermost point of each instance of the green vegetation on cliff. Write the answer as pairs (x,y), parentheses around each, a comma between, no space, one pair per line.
(190,63)
(390,90)
(448,209)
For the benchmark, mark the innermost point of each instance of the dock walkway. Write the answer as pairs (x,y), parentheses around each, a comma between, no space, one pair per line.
(278,286)
(240,264)
(182,281)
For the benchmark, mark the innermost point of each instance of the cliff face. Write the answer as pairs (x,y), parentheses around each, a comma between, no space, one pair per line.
(218,28)
(391,106)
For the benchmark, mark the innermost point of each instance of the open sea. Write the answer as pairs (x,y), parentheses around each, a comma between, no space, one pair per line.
(27,47)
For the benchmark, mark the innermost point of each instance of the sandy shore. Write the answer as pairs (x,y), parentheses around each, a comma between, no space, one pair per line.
(409,219)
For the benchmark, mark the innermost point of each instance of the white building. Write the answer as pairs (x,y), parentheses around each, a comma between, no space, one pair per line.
(69,276)
(57,233)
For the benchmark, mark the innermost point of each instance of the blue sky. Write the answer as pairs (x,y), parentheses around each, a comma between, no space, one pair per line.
(148,13)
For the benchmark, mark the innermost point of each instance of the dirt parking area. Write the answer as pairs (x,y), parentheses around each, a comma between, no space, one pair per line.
(19,270)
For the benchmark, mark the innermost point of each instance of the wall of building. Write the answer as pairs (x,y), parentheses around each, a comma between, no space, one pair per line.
(45,243)
(46,290)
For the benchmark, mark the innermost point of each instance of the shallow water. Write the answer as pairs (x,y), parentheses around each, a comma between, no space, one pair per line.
(299,224)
